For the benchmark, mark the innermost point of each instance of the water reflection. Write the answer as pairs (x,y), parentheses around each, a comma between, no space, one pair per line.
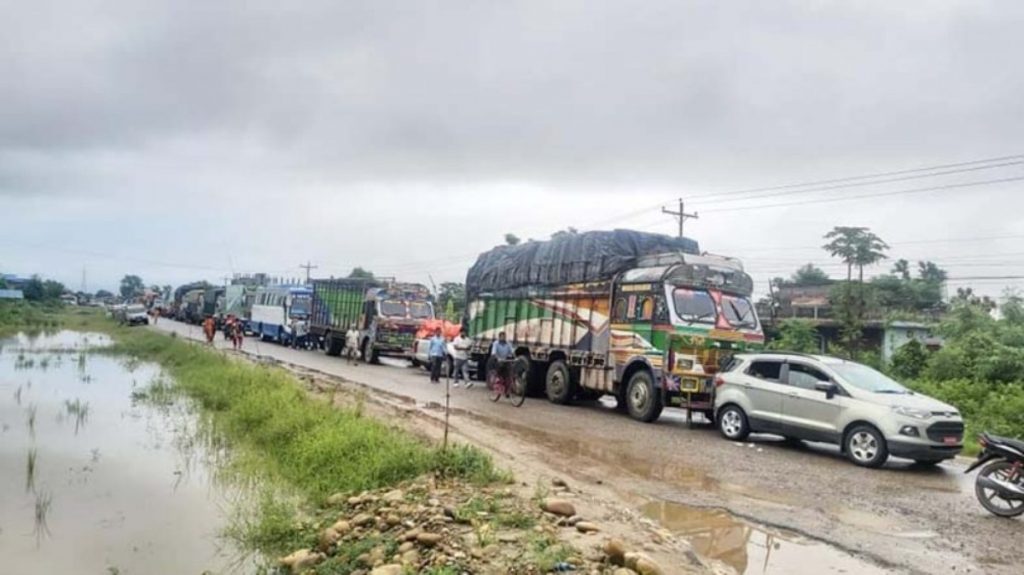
(752,549)
(96,480)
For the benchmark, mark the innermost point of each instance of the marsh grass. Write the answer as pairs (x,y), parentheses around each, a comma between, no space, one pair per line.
(32,419)
(17,396)
(79,410)
(30,469)
(43,502)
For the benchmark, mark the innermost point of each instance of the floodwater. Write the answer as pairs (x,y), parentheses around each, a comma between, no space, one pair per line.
(94,480)
(753,549)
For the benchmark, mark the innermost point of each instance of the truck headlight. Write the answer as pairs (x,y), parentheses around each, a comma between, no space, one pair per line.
(912,412)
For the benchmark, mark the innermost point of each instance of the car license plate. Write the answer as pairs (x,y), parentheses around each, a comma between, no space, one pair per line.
(950,440)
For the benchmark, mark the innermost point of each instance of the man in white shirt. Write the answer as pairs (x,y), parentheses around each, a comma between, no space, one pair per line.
(352,345)
(462,345)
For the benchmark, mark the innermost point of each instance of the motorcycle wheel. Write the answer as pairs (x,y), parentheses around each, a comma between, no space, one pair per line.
(990,499)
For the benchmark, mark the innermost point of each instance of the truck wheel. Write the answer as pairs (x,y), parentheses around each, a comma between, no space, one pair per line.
(332,345)
(558,383)
(642,399)
(370,354)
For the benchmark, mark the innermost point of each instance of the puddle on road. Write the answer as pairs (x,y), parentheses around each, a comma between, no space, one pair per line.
(94,482)
(752,549)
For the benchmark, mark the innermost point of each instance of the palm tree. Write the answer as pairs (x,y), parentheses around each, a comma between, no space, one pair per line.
(856,246)
(902,269)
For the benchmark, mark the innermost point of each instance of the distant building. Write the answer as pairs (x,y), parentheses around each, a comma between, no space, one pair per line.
(11,294)
(900,333)
(13,281)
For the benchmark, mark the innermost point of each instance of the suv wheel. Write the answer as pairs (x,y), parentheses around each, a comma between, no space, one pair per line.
(866,447)
(732,423)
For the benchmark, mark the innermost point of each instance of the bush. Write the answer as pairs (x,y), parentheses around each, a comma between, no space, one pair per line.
(909,360)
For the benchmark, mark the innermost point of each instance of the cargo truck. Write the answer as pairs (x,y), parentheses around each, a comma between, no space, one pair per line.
(642,317)
(387,315)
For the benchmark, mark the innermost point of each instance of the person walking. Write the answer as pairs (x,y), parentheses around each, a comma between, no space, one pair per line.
(237,337)
(462,345)
(352,345)
(436,353)
(209,329)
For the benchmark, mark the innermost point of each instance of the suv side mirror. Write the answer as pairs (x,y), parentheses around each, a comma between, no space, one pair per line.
(828,387)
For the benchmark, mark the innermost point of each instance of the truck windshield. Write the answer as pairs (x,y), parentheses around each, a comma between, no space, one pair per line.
(694,306)
(738,311)
(300,305)
(392,308)
(421,310)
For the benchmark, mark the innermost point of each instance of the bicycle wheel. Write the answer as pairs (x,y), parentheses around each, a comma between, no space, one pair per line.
(494,385)
(519,384)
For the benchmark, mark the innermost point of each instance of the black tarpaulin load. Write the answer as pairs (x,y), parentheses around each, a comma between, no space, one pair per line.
(568,258)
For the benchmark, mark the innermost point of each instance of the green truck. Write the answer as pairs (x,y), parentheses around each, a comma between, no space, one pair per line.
(642,317)
(386,314)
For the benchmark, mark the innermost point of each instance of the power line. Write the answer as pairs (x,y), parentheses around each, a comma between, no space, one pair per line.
(861,184)
(681,215)
(871,195)
(861,177)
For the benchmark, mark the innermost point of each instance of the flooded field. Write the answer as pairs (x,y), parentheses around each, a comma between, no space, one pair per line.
(96,477)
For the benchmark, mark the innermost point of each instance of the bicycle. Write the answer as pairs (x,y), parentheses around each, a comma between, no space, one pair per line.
(507,377)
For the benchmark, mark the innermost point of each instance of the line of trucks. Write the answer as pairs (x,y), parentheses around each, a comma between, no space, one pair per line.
(646,318)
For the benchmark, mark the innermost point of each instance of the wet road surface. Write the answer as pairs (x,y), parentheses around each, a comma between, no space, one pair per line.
(763,506)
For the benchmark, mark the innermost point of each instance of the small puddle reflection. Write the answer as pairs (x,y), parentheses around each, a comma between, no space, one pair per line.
(752,549)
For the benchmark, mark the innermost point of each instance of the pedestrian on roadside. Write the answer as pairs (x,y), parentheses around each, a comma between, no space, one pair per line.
(352,345)
(209,329)
(436,352)
(462,345)
(156,314)
(299,332)
(237,337)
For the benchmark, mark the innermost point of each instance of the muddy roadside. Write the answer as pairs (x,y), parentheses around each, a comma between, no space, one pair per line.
(611,496)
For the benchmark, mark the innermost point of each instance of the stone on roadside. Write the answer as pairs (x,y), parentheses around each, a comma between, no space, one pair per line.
(336,499)
(558,507)
(623,571)
(328,537)
(587,527)
(406,546)
(342,527)
(428,539)
(362,519)
(411,557)
(301,560)
(559,482)
(394,496)
(647,566)
(615,550)
(391,569)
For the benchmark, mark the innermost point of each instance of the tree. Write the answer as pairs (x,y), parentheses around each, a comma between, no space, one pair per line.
(103,294)
(855,246)
(33,289)
(902,269)
(360,274)
(909,360)
(131,286)
(512,239)
(810,275)
(796,335)
(930,272)
(451,297)
(52,290)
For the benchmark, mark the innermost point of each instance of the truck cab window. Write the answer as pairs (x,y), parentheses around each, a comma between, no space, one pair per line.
(392,308)
(695,306)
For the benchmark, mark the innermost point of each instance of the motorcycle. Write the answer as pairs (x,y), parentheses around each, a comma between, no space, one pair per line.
(1000,484)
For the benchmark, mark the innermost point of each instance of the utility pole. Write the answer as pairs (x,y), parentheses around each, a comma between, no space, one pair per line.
(681,214)
(308,266)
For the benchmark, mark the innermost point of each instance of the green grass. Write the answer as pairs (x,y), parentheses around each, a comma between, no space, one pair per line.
(19,315)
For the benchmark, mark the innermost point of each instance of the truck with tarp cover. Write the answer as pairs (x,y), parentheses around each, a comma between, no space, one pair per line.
(643,317)
(387,315)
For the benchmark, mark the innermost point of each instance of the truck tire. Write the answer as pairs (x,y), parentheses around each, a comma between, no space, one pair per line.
(370,354)
(332,345)
(642,398)
(558,383)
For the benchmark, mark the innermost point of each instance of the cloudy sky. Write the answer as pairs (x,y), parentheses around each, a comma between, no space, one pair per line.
(187,140)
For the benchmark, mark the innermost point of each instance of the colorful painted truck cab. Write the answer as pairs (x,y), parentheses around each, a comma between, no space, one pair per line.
(387,315)
(653,334)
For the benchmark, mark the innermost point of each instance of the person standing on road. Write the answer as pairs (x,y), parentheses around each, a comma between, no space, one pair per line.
(462,345)
(236,334)
(209,329)
(299,328)
(352,345)
(436,353)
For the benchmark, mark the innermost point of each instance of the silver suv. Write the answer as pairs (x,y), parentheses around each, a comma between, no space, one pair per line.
(820,398)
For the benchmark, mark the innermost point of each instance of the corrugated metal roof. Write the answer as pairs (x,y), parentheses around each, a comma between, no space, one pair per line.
(11,294)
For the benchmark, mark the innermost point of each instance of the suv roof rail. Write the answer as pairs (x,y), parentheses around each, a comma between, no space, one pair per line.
(784,352)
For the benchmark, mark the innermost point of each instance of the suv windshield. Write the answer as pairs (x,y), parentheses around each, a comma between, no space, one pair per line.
(863,377)
(738,311)
(392,308)
(420,310)
(694,305)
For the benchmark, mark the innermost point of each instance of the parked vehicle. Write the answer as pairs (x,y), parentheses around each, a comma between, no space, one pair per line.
(1000,484)
(185,301)
(831,400)
(638,316)
(274,308)
(237,300)
(133,314)
(387,315)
